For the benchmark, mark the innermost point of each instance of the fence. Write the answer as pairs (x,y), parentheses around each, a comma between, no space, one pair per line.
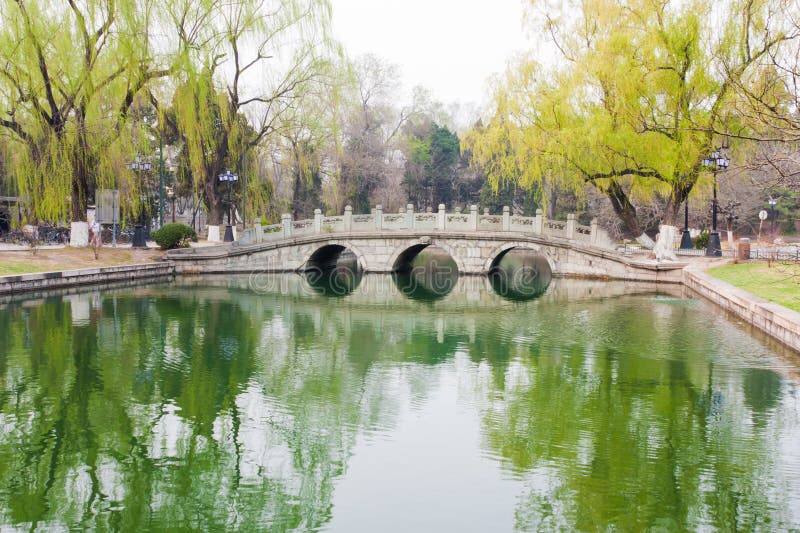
(763,254)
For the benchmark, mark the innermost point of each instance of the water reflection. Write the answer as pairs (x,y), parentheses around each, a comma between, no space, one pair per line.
(207,405)
(425,284)
(520,275)
(338,281)
(429,276)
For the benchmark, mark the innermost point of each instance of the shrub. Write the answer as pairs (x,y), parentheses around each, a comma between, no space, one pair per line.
(701,242)
(175,235)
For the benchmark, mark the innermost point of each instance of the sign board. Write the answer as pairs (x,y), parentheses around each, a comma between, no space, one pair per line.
(762,215)
(107,206)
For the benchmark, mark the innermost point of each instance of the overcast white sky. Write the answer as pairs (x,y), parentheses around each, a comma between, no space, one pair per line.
(449,46)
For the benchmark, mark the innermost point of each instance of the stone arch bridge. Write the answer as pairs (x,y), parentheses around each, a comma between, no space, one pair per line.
(386,242)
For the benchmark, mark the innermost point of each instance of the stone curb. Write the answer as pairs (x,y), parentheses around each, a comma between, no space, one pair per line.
(778,322)
(85,276)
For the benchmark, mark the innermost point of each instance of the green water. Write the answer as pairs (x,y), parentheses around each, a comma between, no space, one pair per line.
(267,403)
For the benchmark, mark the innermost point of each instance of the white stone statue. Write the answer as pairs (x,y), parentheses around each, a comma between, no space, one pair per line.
(645,240)
(664,243)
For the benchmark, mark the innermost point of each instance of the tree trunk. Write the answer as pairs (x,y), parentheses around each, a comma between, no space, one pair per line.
(215,200)
(624,209)
(673,214)
(216,212)
(82,168)
(80,190)
(552,199)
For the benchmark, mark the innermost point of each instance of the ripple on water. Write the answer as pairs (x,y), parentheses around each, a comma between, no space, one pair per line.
(223,408)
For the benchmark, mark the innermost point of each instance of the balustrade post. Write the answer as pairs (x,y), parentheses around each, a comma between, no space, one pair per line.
(410,216)
(348,218)
(473,217)
(286,222)
(593,235)
(379,217)
(570,226)
(317,220)
(538,221)
(506,218)
(259,231)
(440,218)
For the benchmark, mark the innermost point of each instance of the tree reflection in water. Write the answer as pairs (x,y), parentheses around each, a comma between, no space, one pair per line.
(211,406)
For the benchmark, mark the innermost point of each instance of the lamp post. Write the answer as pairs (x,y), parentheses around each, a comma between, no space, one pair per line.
(716,162)
(160,178)
(114,194)
(772,202)
(686,238)
(139,239)
(230,178)
(171,196)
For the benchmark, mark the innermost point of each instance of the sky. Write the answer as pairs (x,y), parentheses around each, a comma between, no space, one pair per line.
(449,46)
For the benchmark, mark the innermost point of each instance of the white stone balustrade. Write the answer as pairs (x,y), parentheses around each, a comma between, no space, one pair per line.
(407,219)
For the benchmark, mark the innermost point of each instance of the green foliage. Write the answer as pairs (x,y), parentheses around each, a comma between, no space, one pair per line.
(508,194)
(634,104)
(701,241)
(174,235)
(432,170)
(75,71)
(81,98)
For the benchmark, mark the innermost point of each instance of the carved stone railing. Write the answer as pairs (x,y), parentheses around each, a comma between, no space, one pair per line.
(440,221)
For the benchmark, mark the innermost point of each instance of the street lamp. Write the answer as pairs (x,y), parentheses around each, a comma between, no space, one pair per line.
(772,202)
(171,196)
(686,238)
(716,162)
(139,239)
(230,178)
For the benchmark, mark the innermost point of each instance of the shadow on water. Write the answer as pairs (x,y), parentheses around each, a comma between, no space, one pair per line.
(520,275)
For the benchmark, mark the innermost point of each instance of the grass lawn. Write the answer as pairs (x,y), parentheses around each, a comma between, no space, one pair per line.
(779,284)
(25,262)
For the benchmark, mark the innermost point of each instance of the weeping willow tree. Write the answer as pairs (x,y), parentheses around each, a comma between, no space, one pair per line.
(70,72)
(260,59)
(640,94)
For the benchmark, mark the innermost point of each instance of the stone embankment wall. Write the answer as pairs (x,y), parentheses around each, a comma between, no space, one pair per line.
(775,320)
(85,276)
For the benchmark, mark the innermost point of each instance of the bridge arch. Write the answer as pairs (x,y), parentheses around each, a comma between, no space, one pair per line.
(327,250)
(412,248)
(498,253)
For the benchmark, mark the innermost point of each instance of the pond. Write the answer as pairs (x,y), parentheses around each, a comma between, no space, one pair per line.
(368,403)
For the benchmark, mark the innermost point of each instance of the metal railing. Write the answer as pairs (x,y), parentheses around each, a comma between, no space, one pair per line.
(762,254)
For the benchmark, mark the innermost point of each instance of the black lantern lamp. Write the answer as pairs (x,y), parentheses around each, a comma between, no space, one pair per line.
(139,236)
(229,177)
(716,162)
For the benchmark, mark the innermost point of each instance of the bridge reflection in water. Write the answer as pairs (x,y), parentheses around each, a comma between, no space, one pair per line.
(429,274)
